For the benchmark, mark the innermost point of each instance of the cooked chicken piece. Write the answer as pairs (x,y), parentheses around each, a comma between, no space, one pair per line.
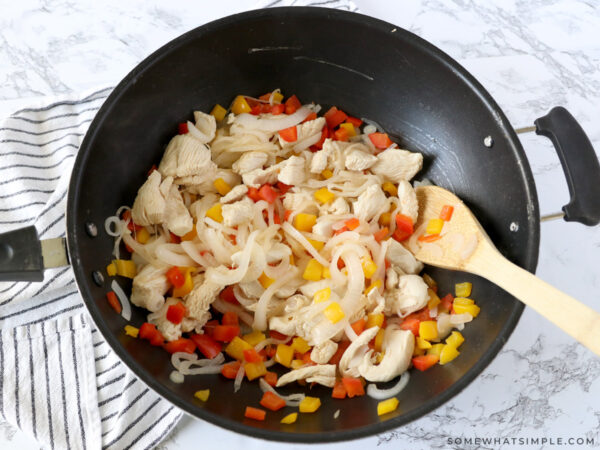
(149,205)
(302,201)
(200,206)
(177,217)
(306,131)
(409,296)
(168,329)
(318,163)
(206,124)
(397,165)
(149,288)
(323,226)
(283,324)
(236,193)
(400,257)
(185,156)
(292,171)
(357,159)
(409,205)
(392,276)
(322,353)
(258,177)
(205,183)
(198,301)
(339,206)
(355,352)
(310,288)
(398,346)
(335,151)
(238,212)
(323,374)
(295,302)
(369,203)
(250,161)
(375,302)
(252,289)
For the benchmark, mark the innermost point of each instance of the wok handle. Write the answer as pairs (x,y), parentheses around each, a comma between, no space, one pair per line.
(21,256)
(579,162)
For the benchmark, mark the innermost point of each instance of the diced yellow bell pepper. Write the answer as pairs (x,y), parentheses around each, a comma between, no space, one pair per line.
(463,301)
(429,281)
(387,406)
(378,344)
(279,159)
(290,418)
(313,271)
(418,351)
(435,349)
(219,112)
(470,309)
(327,174)
(334,312)
(318,245)
(434,300)
(131,331)
(142,236)
(254,338)
(422,343)
(434,226)
(190,235)
(385,219)
(202,395)
(376,284)
(188,283)
(255,370)
(297,363)
(455,339)
(322,295)
(463,289)
(369,267)
(428,330)
(111,269)
(448,353)
(277,97)
(292,260)
(284,355)
(240,105)
(265,281)
(300,345)
(326,273)
(215,212)
(304,222)
(221,186)
(375,320)
(390,188)
(310,404)
(125,268)
(236,348)
(349,128)
(324,195)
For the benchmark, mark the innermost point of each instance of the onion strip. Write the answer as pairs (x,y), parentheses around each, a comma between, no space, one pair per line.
(125,305)
(381,394)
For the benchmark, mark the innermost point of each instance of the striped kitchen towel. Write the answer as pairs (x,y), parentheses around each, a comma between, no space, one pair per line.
(59,380)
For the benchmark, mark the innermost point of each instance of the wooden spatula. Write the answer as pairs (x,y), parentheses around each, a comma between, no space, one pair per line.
(465,246)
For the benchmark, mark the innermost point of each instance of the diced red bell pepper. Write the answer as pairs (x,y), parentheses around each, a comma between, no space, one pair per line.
(277,335)
(272,401)
(446,304)
(152,169)
(380,140)
(255,110)
(339,391)
(270,350)
(175,239)
(354,121)
(230,370)
(429,238)
(113,301)
(424,362)
(422,314)
(206,345)
(277,109)
(353,386)
(286,215)
(131,226)
(283,188)
(319,145)
(149,332)
(446,213)
(404,227)
(228,295)
(176,313)
(270,378)
(175,277)
(267,193)
(180,345)
(387,264)
(341,230)
(334,117)
(276,219)
(209,327)
(411,324)
(342,346)
(311,116)
(306,359)
(341,134)
(265,97)
(255,413)
(253,194)
(225,333)
(381,234)
(359,326)
(341,264)
(289,134)
(292,104)
(352,224)
(182,128)
(252,356)
(230,318)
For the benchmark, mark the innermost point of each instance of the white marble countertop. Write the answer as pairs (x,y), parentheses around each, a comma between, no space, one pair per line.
(530,54)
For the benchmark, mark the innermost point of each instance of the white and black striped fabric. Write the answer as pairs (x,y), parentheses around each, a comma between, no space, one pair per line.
(59,380)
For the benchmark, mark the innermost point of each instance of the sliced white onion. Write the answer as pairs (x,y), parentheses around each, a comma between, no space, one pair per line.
(457,319)
(372,123)
(176,377)
(125,305)
(167,253)
(142,251)
(239,376)
(262,306)
(336,414)
(282,122)
(350,333)
(222,306)
(381,394)
(290,230)
(433,312)
(290,400)
(236,275)
(113,221)
(258,347)
(190,248)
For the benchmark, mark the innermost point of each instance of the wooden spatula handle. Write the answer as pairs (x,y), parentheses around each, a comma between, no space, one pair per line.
(567,313)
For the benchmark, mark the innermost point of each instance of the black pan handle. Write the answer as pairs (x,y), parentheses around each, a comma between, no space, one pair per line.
(21,256)
(579,162)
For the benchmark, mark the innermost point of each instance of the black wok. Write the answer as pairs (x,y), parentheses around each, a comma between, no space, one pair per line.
(424,99)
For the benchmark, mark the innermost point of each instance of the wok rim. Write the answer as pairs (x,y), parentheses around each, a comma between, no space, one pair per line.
(75,231)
